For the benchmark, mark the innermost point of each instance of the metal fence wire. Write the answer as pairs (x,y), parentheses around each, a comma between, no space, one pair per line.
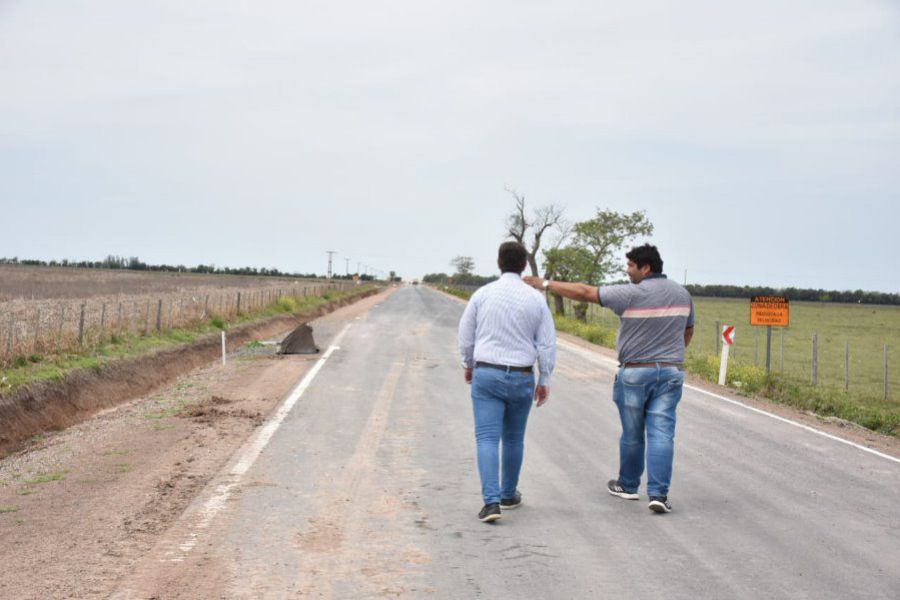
(30,328)
(837,357)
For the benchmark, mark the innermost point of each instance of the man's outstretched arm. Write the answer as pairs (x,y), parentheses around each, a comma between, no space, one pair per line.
(580,292)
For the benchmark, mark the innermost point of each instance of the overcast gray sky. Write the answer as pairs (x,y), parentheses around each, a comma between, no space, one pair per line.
(761,138)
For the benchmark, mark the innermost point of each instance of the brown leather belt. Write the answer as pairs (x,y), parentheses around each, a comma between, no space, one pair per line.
(506,368)
(639,365)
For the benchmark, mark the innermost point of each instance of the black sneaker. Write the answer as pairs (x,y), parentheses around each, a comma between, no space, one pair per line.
(490,512)
(659,504)
(510,503)
(615,489)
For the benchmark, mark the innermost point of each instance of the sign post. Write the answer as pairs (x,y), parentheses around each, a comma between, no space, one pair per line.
(768,311)
(728,338)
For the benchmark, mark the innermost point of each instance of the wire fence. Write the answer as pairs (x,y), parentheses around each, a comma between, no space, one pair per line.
(837,348)
(30,328)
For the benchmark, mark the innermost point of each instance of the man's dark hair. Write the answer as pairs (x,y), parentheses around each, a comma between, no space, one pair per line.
(512,257)
(646,255)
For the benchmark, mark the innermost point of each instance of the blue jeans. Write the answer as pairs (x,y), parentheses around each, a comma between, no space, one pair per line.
(501,402)
(647,399)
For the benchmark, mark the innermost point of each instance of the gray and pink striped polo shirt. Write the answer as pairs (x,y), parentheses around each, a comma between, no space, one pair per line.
(654,314)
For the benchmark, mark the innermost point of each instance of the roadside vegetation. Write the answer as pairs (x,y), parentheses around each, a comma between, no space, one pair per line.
(455,291)
(29,369)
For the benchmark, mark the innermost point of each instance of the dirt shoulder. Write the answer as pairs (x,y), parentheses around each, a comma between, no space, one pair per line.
(54,405)
(79,507)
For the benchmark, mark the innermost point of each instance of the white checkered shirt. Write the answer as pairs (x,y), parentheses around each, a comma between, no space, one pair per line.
(507,322)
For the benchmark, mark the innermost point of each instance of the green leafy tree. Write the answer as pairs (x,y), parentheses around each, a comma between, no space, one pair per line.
(569,263)
(604,236)
(464,265)
(593,254)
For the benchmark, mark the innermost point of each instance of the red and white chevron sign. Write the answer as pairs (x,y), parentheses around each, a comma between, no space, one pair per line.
(728,334)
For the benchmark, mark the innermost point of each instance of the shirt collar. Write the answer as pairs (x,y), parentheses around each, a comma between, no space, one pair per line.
(654,276)
(510,276)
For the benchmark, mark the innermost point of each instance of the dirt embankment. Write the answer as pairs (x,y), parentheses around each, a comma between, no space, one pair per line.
(80,508)
(55,405)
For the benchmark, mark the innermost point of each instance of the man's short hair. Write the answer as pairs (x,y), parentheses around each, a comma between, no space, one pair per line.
(646,255)
(512,257)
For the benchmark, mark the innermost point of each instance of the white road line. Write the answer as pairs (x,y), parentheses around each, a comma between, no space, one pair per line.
(608,362)
(247,455)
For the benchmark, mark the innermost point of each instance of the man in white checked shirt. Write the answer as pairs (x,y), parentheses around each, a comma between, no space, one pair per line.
(505,327)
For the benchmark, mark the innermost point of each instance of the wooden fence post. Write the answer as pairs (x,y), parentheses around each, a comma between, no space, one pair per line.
(756,346)
(37,331)
(119,320)
(815,359)
(886,372)
(718,333)
(81,327)
(10,336)
(238,310)
(102,322)
(159,315)
(781,364)
(59,332)
(846,365)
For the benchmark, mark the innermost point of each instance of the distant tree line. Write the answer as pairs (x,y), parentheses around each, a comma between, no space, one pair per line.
(798,294)
(457,279)
(135,264)
(590,251)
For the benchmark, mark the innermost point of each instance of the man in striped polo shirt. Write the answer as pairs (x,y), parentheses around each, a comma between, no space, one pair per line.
(657,323)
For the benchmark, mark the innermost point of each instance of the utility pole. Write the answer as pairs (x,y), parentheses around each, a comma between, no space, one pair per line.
(348,266)
(330,254)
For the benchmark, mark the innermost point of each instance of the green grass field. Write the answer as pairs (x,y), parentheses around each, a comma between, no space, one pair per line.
(867,329)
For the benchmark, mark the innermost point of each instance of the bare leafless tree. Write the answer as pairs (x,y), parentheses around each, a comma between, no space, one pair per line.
(529,230)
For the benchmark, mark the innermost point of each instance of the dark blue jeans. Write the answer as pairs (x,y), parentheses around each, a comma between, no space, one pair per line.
(647,399)
(501,402)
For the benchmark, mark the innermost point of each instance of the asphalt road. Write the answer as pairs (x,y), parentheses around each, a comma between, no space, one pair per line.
(368,488)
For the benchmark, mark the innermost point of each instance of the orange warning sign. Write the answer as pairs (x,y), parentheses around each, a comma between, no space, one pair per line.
(770,310)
